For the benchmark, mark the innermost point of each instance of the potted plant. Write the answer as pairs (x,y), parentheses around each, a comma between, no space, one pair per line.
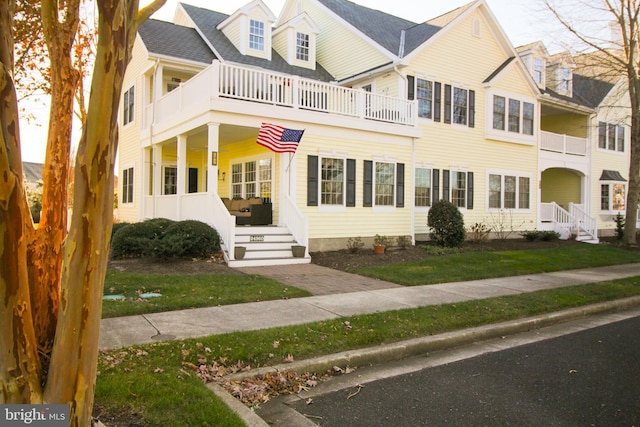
(239,251)
(380,244)
(298,251)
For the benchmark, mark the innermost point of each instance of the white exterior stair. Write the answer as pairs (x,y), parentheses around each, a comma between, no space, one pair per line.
(265,245)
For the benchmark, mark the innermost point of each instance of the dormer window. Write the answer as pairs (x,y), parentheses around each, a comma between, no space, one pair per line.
(302,46)
(565,79)
(538,70)
(256,35)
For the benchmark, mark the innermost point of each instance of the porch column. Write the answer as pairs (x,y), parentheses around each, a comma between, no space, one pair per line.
(156,167)
(213,150)
(181,179)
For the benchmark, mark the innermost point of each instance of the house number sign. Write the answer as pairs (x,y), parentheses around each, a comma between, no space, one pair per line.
(257,238)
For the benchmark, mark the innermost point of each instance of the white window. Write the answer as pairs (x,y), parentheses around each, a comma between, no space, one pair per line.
(611,136)
(256,35)
(332,181)
(565,79)
(384,184)
(499,112)
(538,70)
(302,47)
(509,191)
(460,103)
(513,119)
(252,178)
(127,185)
(514,115)
(424,94)
(422,187)
(170,180)
(459,189)
(128,106)
(613,196)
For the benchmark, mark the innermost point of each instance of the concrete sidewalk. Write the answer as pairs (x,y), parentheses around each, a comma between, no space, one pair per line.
(336,294)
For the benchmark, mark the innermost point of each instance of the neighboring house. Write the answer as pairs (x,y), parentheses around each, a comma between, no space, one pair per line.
(32,174)
(584,143)
(396,115)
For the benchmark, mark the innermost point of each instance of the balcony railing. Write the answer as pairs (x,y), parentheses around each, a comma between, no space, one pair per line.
(230,81)
(564,144)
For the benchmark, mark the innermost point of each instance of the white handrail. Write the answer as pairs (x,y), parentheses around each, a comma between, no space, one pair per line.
(297,223)
(225,225)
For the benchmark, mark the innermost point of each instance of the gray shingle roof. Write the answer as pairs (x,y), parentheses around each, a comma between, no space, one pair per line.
(164,38)
(587,91)
(32,171)
(384,29)
(207,21)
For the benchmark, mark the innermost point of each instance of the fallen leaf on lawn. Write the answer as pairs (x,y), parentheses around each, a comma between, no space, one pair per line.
(289,358)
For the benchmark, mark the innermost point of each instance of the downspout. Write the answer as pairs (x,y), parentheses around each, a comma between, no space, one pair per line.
(152,121)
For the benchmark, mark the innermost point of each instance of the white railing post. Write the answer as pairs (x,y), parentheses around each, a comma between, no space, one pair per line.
(215,79)
(295,92)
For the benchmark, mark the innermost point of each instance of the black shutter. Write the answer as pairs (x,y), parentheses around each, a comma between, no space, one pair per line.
(445,185)
(367,190)
(312,180)
(411,88)
(351,182)
(472,108)
(435,190)
(447,103)
(469,190)
(400,185)
(437,101)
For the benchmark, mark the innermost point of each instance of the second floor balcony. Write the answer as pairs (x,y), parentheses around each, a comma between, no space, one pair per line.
(563,144)
(252,85)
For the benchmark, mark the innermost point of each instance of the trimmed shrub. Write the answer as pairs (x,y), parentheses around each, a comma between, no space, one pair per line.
(138,240)
(446,224)
(189,238)
(117,226)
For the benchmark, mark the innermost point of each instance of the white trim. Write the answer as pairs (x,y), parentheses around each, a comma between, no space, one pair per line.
(502,173)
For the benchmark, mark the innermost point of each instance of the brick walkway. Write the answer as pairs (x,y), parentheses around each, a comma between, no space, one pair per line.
(319,280)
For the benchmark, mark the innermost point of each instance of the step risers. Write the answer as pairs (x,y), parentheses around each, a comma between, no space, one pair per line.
(268,245)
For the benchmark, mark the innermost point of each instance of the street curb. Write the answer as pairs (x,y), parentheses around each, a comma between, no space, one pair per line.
(417,346)
(414,347)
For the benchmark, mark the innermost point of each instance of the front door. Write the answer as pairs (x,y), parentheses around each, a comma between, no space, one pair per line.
(193,180)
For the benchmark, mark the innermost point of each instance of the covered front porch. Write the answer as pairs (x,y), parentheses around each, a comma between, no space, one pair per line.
(217,174)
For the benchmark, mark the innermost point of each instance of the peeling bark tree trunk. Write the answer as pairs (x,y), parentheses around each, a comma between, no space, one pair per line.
(19,363)
(45,247)
(72,373)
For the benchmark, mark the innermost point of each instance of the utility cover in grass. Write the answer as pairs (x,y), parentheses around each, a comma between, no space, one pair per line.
(150,295)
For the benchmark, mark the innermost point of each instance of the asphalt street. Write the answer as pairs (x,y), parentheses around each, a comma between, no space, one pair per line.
(586,378)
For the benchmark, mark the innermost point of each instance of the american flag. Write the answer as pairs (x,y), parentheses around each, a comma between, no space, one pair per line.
(279,139)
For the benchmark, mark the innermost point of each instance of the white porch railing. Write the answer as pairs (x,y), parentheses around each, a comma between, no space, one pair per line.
(297,223)
(225,225)
(583,222)
(576,222)
(564,144)
(247,84)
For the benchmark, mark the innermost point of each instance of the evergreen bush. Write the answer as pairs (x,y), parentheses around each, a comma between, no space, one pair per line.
(138,240)
(189,238)
(446,224)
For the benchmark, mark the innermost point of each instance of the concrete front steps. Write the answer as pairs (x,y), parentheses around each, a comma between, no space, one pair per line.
(265,245)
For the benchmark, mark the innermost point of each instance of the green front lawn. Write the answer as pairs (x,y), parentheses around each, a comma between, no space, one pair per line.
(484,265)
(180,292)
(157,380)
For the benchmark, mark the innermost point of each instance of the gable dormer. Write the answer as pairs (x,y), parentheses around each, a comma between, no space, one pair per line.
(249,29)
(560,73)
(535,58)
(295,41)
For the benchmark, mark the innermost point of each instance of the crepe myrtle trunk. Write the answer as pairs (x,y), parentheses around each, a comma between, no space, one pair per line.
(633,192)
